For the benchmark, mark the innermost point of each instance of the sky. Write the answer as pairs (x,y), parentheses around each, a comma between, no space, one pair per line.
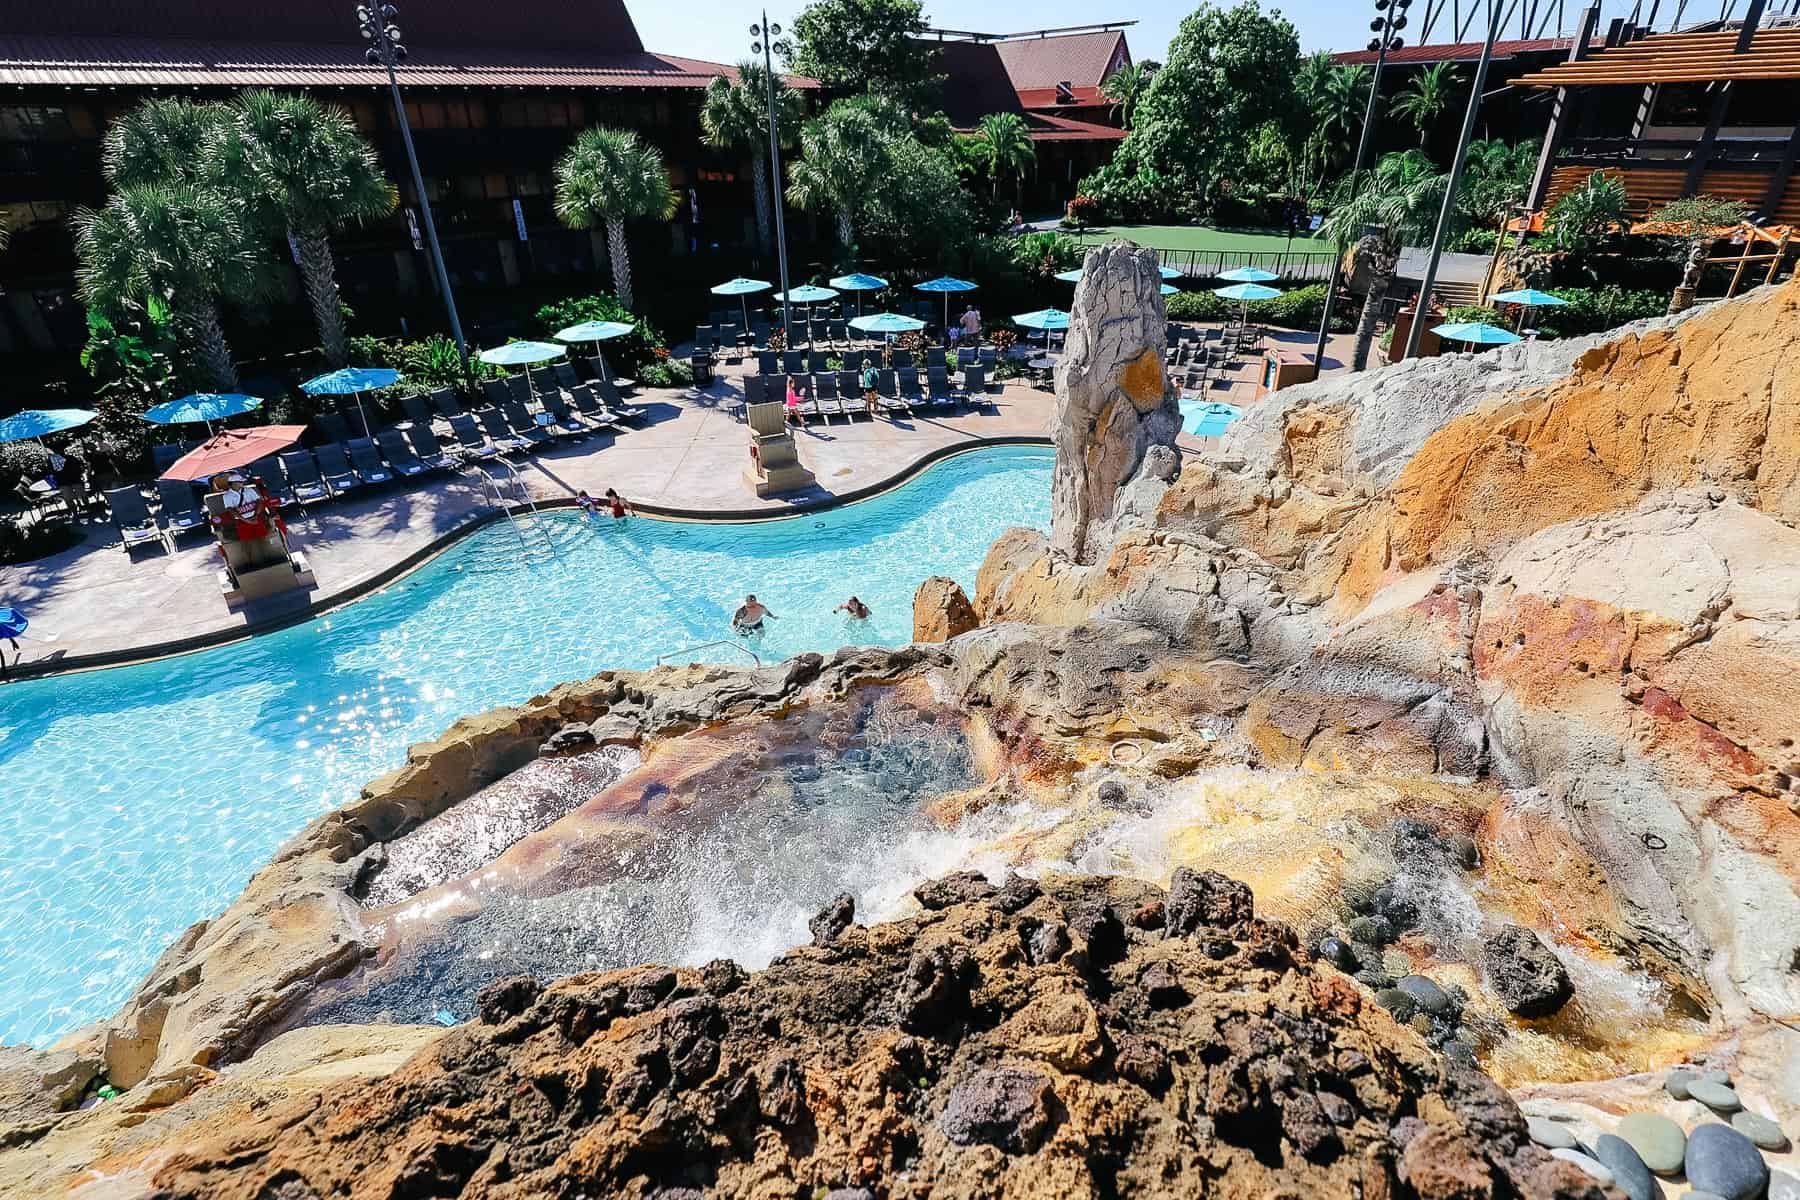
(719,30)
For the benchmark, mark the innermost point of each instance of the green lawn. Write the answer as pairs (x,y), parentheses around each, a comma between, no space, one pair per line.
(1199,237)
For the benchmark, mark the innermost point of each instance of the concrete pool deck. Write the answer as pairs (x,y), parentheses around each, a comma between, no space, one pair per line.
(95,604)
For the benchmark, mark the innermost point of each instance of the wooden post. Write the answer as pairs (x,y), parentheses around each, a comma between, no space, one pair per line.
(1743,262)
(1780,253)
(1561,112)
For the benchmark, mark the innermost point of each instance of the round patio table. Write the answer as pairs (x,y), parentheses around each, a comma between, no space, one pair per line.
(1042,367)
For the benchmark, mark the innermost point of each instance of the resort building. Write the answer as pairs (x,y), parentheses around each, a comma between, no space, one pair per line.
(494,94)
(1714,110)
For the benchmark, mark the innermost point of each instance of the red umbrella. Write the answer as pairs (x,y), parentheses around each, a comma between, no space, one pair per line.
(233,449)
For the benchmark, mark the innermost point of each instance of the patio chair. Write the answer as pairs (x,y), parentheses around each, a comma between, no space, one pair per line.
(815,362)
(335,466)
(444,400)
(756,388)
(274,480)
(934,356)
(564,422)
(333,426)
(592,410)
(519,387)
(544,379)
(911,394)
(131,517)
(400,456)
(974,382)
(566,377)
(838,331)
(430,451)
(179,511)
(493,423)
(416,408)
(609,396)
(523,424)
(470,438)
(367,461)
(768,362)
(495,391)
(703,339)
(942,394)
(988,356)
(303,477)
(825,392)
(596,366)
(164,454)
(793,362)
(903,359)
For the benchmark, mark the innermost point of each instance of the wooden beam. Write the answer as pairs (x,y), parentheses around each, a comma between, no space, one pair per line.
(1784,172)
(1560,111)
(1703,151)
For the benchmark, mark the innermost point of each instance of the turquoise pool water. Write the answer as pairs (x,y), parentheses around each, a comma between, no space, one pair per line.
(140,799)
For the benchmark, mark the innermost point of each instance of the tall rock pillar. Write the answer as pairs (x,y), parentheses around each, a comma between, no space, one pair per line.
(1114,406)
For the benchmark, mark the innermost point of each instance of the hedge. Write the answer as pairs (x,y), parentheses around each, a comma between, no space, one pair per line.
(1300,308)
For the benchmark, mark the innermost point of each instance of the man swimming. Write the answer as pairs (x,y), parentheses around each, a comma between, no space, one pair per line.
(749,617)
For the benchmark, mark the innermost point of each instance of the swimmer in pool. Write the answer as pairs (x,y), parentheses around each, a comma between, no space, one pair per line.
(856,608)
(749,617)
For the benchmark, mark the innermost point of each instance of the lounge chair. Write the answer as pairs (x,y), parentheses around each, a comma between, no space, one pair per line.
(444,400)
(494,425)
(564,421)
(839,332)
(974,381)
(793,362)
(333,426)
(755,389)
(131,517)
(825,388)
(274,480)
(595,413)
(524,425)
(335,466)
(942,394)
(495,391)
(597,367)
(910,393)
(430,451)
(471,439)
(887,392)
(400,456)
(767,362)
(544,379)
(609,396)
(902,359)
(178,508)
(934,356)
(417,409)
(815,362)
(703,339)
(566,377)
(367,461)
(520,388)
(303,477)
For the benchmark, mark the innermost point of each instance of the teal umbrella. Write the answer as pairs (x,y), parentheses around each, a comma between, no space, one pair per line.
(352,381)
(1249,275)
(202,408)
(515,354)
(1044,319)
(859,283)
(946,284)
(597,332)
(1246,292)
(1208,420)
(887,323)
(743,289)
(1528,299)
(1476,333)
(1075,275)
(39,422)
(809,293)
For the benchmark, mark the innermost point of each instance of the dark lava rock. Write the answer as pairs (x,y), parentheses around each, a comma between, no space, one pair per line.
(934,990)
(1204,900)
(1144,1063)
(958,888)
(1375,930)
(1162,986)
(1016,893)
(1393,904)
(1304,1122)
(1426,994)
(503,999)
(1008,1107)
(1043,941)
(721,977)
(1722,1160)
(1457,1050)
(1104,932)
(1526,974)
(1397,1002)
(1338,953)
(1112,793)
(1149,915)
(1630,1173)
(649,989)
(833,919)
(781,1092)
(1463,851)
(1414,839)
(570,739)
(1374,980)
(1358,896)
(1337,1109)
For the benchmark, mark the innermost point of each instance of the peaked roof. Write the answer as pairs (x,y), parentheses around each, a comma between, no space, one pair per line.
(975,82)
(1083,59)
(1455,51)
(1680,58)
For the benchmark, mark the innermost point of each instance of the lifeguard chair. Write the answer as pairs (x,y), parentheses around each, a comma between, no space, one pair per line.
(256,565)
(776,466)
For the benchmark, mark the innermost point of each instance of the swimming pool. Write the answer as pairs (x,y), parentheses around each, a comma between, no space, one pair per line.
(140,799)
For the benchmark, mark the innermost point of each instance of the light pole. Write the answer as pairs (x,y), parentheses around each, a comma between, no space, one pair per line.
(1391,19)
(763,37)
(376,23)
(1501,12)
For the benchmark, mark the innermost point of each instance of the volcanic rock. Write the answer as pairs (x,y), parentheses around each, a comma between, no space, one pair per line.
(833,919)
(1526,974)
(941,610)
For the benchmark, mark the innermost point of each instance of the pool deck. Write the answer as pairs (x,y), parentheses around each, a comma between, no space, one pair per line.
(95,604)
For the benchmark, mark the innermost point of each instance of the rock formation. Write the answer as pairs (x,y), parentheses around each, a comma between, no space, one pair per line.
(1113,401)
(1040,1039)
(941,610)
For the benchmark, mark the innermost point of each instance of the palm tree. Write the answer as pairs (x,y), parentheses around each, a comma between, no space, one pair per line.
(307,168)
(1125,87)
(1397,203)
(1008,149)
(1426,97)
(165,142)
(609,176)
(842,157)
(175,249)
(735,116)
(1343,99)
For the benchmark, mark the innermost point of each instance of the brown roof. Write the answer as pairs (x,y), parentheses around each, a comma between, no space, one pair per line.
(1082,59)
(975,83)
(1048,128)
(1456,51)
(1048,97)
(1679,58)
(72,61)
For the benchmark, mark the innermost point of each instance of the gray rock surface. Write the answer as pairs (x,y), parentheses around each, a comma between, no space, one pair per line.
(1715,1096)
(1659,1141)
(1676,1083)
(1630,1173)
(1525,973)
(1426,994)
(1113,401)
(1593,1167)
(1722,1160)
(1760,1130)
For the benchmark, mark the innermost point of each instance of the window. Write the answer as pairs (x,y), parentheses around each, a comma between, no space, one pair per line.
(20,215)
(37,123)
(495,187)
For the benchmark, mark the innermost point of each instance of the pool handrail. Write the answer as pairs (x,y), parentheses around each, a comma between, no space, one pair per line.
(735,645)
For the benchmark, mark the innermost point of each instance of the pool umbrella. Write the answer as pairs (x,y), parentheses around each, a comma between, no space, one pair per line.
(1210,420)
(946,284)
(515,354)
(352,381)
(743,289)
(1476,333)
(40,422)
(1244,293)
(12,623)
(859,283)
(1249,275)
(887,323)
(226,452)
(1074,276)
(1045,319)
(202,408)
(601,331)
(808,294)
(1528,299)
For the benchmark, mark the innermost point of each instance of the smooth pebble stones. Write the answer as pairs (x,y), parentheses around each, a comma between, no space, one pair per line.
(1715,1096)
(1658,1141)
(1426,994)
(1759,1129)
(1722,1160)
(1702,1196)
(1717,1076)
(1628,1168)
(1783,1186)
(1551,1135)
(1595,1169)
(1676,1083)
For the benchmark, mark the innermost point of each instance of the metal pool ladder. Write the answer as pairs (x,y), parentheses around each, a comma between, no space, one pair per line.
(509,494)
(738,646)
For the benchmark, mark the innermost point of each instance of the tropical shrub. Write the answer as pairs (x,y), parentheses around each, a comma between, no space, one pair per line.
(24,541)
(627,354)
(429,364)
(1592,310)
(665,371)
(1484,313)
(1299,308)
(1041,256)
(1082,210)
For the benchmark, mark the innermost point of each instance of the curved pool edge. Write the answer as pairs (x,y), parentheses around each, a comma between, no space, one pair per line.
(407,564)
